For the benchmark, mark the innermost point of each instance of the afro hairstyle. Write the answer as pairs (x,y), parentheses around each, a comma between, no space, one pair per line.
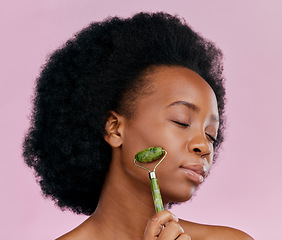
(86,78)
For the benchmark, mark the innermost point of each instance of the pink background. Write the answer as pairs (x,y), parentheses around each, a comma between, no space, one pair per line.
(244,190)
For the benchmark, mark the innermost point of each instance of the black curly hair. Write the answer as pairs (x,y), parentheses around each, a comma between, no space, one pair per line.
(89,76)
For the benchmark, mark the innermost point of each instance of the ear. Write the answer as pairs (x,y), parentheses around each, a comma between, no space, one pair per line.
(114,128)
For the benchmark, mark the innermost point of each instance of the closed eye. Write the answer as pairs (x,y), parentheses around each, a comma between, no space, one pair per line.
(181,124)
(212,139)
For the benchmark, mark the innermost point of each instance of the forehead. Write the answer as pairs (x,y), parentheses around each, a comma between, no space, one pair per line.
(175,83)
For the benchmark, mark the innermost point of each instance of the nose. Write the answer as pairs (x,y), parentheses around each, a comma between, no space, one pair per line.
(200,146)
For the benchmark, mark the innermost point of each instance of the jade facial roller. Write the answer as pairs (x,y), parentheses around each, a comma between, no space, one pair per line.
(150,155)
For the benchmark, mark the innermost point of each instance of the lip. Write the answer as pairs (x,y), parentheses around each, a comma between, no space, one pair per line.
(195,172)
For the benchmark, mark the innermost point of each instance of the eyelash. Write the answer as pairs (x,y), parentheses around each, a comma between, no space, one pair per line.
(181,124)
(213,140)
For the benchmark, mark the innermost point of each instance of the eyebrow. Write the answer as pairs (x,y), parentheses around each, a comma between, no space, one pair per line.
(193,107)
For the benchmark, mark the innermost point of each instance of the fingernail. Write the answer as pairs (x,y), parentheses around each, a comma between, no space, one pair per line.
(182,229)
(175,218)
(201,179)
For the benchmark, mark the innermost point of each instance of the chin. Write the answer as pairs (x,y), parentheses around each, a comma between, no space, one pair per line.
(179,195)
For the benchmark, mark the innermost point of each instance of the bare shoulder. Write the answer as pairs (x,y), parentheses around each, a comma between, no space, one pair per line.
(228,233)
(72,235)
(83,231)
(210,232)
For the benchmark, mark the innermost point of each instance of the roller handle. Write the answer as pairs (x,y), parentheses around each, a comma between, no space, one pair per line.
(156,192)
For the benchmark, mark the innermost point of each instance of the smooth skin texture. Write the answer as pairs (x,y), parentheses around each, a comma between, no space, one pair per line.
(181,116)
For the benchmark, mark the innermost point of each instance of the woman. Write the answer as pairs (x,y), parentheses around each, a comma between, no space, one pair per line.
(118,87)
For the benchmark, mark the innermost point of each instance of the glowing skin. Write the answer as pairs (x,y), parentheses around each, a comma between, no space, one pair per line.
(180,116)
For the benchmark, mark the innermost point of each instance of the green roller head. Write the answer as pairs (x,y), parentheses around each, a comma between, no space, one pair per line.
(149,154)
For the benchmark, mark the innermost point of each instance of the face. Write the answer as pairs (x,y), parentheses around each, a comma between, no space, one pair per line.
(181,116)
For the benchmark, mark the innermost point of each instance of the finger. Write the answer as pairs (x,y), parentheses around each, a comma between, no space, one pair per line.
(184,236)
(171,231)
(156,223)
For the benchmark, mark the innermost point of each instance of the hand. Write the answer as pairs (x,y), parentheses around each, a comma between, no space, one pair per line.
(164,226)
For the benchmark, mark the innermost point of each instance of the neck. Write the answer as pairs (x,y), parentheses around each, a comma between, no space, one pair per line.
(124,207)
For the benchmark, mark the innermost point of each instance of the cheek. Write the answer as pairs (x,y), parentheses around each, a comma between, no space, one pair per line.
(135,140)
(156,133)
(142,134)
(172,183)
